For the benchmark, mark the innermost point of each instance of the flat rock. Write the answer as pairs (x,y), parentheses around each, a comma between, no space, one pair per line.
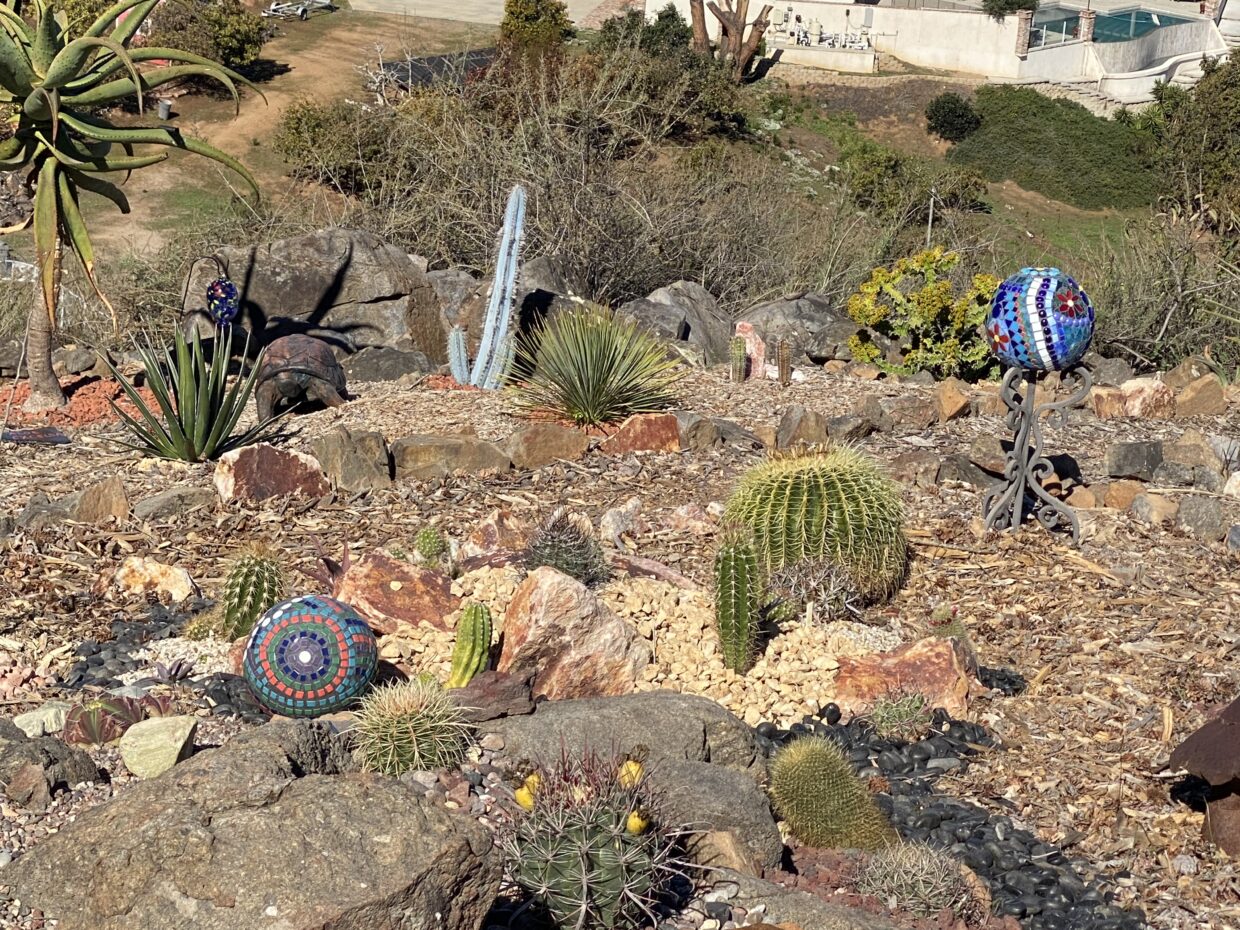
(789,906)
(957,467)
(385,363)
(697,432)
(1155,509)
(204,845)
(1133,459)
(44,720)
(645,432)
(392,594)
(139,576)
(151,747)
(1203,517)
(101,501)
(669,724)
(174,502)
(918,467)
(1149,398)
(1204,397)
(848,428)
(1189,370)
(1108,403)
(499,531)
(354,461)
(261,471)
(801,427)
(492,695)
(555,627)
(539,444)
(426,456)
(951,399)
(939,669)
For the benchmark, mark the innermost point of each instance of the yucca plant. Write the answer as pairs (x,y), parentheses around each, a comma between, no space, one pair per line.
(590,367)
(198,408)
(57,83)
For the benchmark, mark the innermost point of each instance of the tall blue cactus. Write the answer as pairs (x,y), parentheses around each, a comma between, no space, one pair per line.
(496,348)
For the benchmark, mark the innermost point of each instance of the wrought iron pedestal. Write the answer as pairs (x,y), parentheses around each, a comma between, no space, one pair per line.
(1021,494)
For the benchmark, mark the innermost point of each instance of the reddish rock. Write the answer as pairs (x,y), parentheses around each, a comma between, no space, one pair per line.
(30,787)
(800,427)
(391,594)
(1083,498)
(691,519)
(1121,494)
(1149,398)
(141,576)
(1204,397)
(1185,373)
(1108,402)
(636,566)
(497,531)
(939,669)
(951,399)
(540,444)
(574,645)
(755,352)
(645,432)
(863,371)
(259,472)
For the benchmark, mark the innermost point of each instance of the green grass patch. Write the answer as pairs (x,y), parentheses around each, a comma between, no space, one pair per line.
(1059,149)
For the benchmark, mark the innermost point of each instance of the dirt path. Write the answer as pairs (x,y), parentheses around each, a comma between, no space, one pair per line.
(318,60)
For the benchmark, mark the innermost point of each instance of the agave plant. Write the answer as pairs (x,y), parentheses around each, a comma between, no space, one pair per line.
(199,409)
(57,83)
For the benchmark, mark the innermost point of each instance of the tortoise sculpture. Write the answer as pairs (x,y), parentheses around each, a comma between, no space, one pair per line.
(297,369)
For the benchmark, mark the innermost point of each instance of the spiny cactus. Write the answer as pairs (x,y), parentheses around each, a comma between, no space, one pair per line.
(567,542)
(822,801)
(430,544)
(835,504)
(590,849)
(473,645)
(495,351)
(815,589)
(255,583)
(783,360)
(945,622)
(738,355)
(915,878)
(101,720)
(410,725)
(901,717)
(738,599)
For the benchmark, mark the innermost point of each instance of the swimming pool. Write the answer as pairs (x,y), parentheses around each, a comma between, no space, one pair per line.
(1053,24)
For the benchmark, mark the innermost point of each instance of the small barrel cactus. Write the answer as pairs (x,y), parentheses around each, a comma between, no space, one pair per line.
(823,802)
(901,717)
(835,504)
(738,599)
(408,726)
(430,544)
(473,645)
(738,356)
(783,361)
(255,583)
(567,542)
(915,878)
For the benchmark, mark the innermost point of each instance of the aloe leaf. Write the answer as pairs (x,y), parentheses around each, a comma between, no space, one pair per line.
(73,56)
(46,226)
(101,187)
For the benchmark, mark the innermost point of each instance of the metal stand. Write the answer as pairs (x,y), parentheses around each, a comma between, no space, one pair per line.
(1021,493)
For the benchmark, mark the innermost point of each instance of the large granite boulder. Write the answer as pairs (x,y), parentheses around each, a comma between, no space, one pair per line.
(347,287)
(799,320)
(271,831)
(684,312)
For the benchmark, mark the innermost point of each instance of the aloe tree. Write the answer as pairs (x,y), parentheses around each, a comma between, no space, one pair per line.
(57,84)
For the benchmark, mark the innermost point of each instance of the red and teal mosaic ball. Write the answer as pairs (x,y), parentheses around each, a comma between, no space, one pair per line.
(1040,319)
(310,656)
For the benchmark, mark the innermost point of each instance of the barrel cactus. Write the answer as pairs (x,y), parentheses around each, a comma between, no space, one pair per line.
(822,801)
(915,878)
(255,583)
(408,726)
(473,645)
(835,504)
(738,599)
(566,542)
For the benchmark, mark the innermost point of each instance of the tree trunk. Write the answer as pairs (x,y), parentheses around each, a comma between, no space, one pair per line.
(734,47)
(45,392)
(701,41)
(750,47)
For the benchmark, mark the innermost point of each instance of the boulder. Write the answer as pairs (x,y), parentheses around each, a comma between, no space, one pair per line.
(270,830)
(941,670)
(1203,517)
(453,289)
(684,312)
(354,461)
(139,576)
(539,444)
(45,763)
(1204,397)
(912,414)
(801,427)
(174,503)
(989,453)
(799,320)
(668,724)
(951,399)
(848,428)
(385,363)
(44,720)
(1189,370)
(645,432)
(1149,398)
(392,594)
(1108,403)
(833,343)
(1133,459)
(957,467)
(260,472)
(697,433)
(788,906)
(1154,509)
(497,531)
(426,456)
(575,646)
(151,747)
(347,287)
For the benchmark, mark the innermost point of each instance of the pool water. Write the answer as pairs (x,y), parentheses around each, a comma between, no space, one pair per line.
(1054,24)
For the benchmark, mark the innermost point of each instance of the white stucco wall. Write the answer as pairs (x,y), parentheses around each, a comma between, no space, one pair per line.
(1158,46)
(1059,62)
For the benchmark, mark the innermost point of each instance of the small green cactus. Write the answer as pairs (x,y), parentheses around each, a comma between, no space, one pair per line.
(822,801)
(815,589)
(738,599)
(430,544)
(835,504)
(915,878)
(901,717)
(473,645)
(255,583)
(738,355)
(945,623)
(567,542)
(783,360)
(410,725)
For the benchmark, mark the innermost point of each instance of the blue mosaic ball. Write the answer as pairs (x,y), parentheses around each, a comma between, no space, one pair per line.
(310,656)
(1040,319)
(223,301)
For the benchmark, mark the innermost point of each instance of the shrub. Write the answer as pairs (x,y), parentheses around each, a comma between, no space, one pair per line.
(666,34)
(590,849)
(590,367)
(915,878)
(738,599)
(535,24)
(408,726)
(1001,8)
(566,542)
(222,30)
(915,303)
(1060,149)
(822,801)
(899,187)
(83,13)
(950,116)
(836,505)
(255,583)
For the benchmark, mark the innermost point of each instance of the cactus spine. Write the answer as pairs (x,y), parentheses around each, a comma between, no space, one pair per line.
(496,348)
(836,505)
(737,600)
(822,801)
(473,645)
(739,356)
(783,358)
(255,583)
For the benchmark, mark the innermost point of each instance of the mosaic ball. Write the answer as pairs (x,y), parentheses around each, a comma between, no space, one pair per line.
(310,656)
(223,300)
(1040,319)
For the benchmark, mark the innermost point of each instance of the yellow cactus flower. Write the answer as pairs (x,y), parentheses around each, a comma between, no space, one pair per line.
(636,823)
(525,797)
(630,773)
(532,782)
